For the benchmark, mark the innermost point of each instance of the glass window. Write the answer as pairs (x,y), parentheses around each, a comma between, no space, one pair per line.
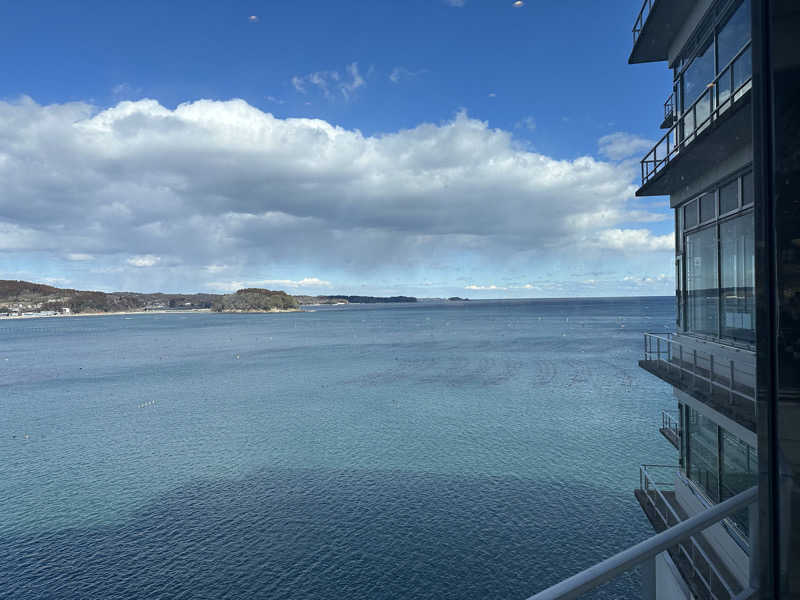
(734,34)
(739,472)
(701,281)
(707,212)
(729,197)
(690,214)
(703,453)
(742,70)
(679,296)
(747,188)
(699,74)
(737,270)
(679,230)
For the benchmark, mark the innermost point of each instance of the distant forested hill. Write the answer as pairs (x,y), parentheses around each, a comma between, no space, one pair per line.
(255,300)
(27,296)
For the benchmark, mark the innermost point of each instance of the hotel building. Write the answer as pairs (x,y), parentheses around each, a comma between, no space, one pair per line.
(703,162)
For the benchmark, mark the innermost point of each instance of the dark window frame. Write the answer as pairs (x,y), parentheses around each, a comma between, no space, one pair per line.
(719,219)
(706,32)
(739,535)
(696,42)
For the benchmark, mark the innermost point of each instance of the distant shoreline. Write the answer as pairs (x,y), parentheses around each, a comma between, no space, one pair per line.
(150,312)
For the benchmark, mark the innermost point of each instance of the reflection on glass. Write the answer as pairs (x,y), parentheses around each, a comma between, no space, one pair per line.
(737,254)
(679,296)
(734,34)
(742,70)
(702,110)
(703,453)
(690,214)
(747,188)
(739,472)
(688,124)
(729,197)
(699,74)
(723,90)
(701,281)
(707,211)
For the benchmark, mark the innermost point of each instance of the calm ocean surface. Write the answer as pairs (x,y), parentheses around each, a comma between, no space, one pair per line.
(459,450)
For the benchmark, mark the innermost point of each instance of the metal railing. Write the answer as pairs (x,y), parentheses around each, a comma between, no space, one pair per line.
(644,553)
(669,107)
(727,87)
(670,423)
(688,364)
(703,568)
(641,18)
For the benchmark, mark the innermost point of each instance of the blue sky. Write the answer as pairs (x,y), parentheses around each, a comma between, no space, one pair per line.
(427,147)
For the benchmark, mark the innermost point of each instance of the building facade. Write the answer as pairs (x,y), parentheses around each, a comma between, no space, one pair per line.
(704,163)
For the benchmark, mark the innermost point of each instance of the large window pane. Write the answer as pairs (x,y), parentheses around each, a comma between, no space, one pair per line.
(703,453)
(747,188)
(701,281)
(723,90)
(734,34)
(738,278)
(690,214)
(707,212)
(702,111)
(729,197)
(679,295)
(699,74)
(742,71)
(739,472)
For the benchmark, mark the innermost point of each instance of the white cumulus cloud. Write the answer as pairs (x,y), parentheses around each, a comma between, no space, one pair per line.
(306,282)
(485,287)
(621,145)
(224,183)
(146,260)
(635,240)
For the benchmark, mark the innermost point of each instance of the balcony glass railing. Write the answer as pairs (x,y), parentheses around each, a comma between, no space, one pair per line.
(730,85)
(641,18)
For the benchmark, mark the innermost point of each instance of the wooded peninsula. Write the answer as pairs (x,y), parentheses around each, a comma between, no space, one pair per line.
(24,298)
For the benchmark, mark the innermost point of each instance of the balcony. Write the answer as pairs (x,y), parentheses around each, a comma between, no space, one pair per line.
(670,429)
(701,567)
(722,377)
(689,141)
(643,554)
(656,25)
(669,112)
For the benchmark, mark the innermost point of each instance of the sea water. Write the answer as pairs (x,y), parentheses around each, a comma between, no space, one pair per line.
(482,449)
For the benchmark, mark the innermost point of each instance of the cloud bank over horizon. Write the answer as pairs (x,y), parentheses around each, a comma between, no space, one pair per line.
(214,193)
